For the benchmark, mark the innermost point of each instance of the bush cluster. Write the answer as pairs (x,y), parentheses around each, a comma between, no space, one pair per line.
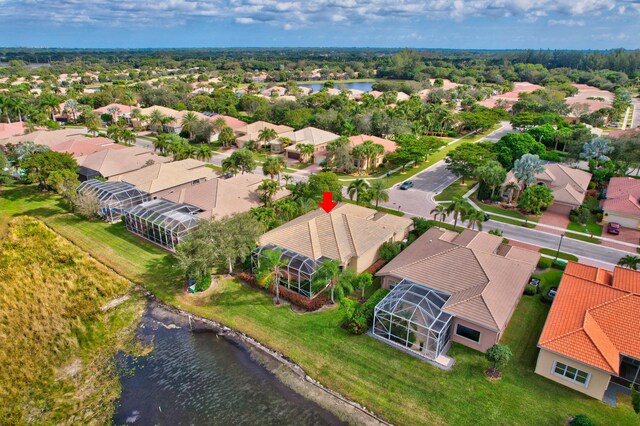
(544,263)
(290,295)
(362,317)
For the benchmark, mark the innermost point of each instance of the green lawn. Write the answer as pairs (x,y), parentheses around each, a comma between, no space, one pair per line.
(590,228)
(549,279)
(456,189)
(561,255)
(397,386)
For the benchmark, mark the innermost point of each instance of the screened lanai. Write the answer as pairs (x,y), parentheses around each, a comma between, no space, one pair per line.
(298,273)
(162,222)
(114,197)
(411,316)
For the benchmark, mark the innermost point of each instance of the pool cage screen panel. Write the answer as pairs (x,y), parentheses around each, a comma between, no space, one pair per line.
(297,275)
(411,316)
(162,222)
(113,197)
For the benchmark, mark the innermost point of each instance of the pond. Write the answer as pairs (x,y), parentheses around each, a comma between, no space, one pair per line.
(197,378)
(364,86)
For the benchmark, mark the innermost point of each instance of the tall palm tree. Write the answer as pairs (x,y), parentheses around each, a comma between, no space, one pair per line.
(513,189)
(526,168)
(267,190)
(129,98)
(476,217)
(360,153)
(371,151)
(19,107)
(71,107)
(287,178)
(229,165)
(458,207)
(91,121)
(306,151)
(269,264)
(219,124)
(157,119)
(629,261)
(5,106)
(189,121)
(378,192)
(326,275)
(266,135)
(50,103)
(357,188)
(273,166)
(440,211)
(114,112)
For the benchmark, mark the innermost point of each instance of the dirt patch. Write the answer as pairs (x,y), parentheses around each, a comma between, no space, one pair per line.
(116,302)
(493,374)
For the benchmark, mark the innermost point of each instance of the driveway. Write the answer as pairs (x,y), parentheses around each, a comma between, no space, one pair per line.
(552,218)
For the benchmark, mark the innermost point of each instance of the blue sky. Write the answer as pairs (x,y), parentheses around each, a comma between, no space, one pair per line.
(487,24)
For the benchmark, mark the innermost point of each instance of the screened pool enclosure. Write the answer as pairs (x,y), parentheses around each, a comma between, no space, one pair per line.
(298,274)
(162,222)
(113,197)
(411,316)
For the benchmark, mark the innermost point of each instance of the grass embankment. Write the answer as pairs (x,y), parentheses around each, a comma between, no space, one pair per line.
(591,228)
(395,385)
(498,212)
(57,343)
(561,255)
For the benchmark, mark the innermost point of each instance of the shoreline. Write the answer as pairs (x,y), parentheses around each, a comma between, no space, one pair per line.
(287,371)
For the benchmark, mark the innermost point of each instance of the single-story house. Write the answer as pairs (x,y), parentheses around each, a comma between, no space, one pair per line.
(174,126)
(119,110)
(109,163)
(449,287)
(312,136)
(85,146)
(251,132)
(47,138)
(389,146)
(349,234)
(274,91)
(592,335)
(622,204)
(158,178)
(569,186)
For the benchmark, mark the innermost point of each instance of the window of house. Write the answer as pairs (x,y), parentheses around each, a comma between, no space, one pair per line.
(468,333)
(571,373)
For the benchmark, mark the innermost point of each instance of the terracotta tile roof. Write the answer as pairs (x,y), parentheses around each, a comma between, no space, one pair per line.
(389,146)
(11,129)
(346,232)
(232,122)
(569,185)
(484,277)
(623,196)
(619,134)
(595,316)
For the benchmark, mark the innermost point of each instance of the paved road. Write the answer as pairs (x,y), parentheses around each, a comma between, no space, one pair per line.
(635,119)
(543,239)
(495,136)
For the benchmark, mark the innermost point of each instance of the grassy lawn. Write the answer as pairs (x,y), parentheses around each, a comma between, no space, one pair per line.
(456,189)
(590,228)
(549,279)
(561,255)
(397,386)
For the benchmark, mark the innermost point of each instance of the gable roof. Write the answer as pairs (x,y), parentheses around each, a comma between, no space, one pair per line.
(623,196)
(124,109)
(595,316)
(346,232)
(489,276)
(232,122)
(251,131)
(221,197)
(389,146)
(161,176)
(85,146)
(569,185)
(111,162)
(47,138)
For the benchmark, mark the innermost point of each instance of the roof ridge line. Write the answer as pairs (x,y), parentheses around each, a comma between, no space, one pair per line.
(432,256)
(562,336)
(594,343)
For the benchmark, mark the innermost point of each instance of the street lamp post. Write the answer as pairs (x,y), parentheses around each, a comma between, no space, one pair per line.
(559,245)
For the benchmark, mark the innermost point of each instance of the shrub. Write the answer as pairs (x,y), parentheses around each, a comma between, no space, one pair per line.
(498,355)
(389,250)
(287,294)
(556,264)
(203,282)
(544,263)
(581,420)
(530,290)
(599,217)
(635,399)
(363,315)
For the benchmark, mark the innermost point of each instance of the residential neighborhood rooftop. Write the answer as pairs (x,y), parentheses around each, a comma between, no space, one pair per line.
(623,196)
(111,162)
(162,176)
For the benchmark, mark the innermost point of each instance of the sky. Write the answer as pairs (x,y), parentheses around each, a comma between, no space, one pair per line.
(458,24)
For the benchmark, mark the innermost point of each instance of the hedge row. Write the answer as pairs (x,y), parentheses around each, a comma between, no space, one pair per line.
(290,295)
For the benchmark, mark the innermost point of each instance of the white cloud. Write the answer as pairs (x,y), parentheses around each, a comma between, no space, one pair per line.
(291,14)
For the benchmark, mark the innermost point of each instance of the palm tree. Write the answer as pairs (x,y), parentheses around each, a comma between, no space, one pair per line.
(50,103)
(189,120)
(203,152)
(5,105)
(91,121)
(114,111)
(157,119)
(326,275)
(458,207)
(360,153)
(287,178)
(306,151)
(266,135)
(129,98)
(219,124)
(378,192)
(371,152)
(629,261)
(273,166)
(71,107)
(19,107)
(357,188)
(128,137)
(513,189)
(228,165)
(269,264)
(160,144)
(267,190)
(476,217)
(526,168)
(441,211)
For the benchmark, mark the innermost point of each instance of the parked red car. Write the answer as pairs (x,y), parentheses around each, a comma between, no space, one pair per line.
(613,228)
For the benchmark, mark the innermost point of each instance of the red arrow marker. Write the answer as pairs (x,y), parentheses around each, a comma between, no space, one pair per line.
(327,204)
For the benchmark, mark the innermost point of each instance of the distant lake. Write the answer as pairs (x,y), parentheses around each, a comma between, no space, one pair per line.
(365,87)
(196,378)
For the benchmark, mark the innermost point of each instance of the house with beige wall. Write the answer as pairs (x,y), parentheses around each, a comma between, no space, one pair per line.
(312,136)
(251,132)
(349,234)
(622,204)
(449,287)
(591,339)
